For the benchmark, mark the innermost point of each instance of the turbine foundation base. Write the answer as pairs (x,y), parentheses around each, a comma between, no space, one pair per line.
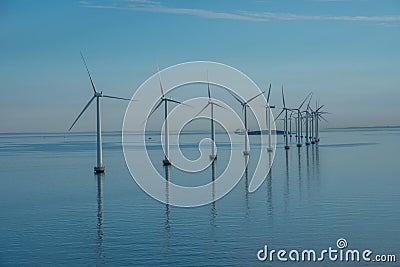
(166,162)
(99,169)
(213,157)
(287,147)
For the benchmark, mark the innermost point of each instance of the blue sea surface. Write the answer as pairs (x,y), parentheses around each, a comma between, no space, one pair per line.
(56,212)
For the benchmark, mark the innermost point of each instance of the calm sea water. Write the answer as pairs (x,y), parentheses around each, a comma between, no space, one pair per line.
(56,212)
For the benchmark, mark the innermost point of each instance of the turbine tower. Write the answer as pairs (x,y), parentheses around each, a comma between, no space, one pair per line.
(269,118)
(318,116)
(299,119)
(285,109)
(307,117)
(211,103)
(245,104)
(165,100)
(96,94)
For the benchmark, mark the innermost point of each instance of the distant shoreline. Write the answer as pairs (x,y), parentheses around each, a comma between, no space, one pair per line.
(361,127)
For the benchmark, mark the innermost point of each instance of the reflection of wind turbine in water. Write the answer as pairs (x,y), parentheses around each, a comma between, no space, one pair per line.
(269,185)
(286,193)
(299,168)
(245,105)
(100,232)
(213,206)
(100,204)
(165,100)
(246,182)
(100,167)
(167,205)
(268,117)
(284,109)
(213,175)
(308,166)
(211,103)
(167,226)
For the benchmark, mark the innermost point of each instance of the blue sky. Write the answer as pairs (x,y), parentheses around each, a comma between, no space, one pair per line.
(345,51)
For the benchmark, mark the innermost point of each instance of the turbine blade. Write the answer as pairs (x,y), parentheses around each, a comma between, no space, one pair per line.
(214,103)
(319,108)
(320,117)
(202,110)
(116,97)
(279,114)
(305,100)
(80,114)
(177,102)
(309,101)
(254,97)
(283,98)
(90,76)
(237,98)
(269,93)
(155,108)
(209,93)
(171,100)
(159,79)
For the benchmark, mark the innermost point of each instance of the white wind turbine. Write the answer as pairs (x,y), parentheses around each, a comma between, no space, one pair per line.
(268,117)
(211,103)
(245,104)
(317,116)
(307,117)
(96,94)
(299,119)
(290,124)
(165,100)
(285,109)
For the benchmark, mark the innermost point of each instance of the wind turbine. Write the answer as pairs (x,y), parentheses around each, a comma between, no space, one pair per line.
(285,109)
(96,94)
(245,104)
(269,118)
(299,119)
(290,125)
(307,117)
(211,103)
(317,117)
(165,100)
